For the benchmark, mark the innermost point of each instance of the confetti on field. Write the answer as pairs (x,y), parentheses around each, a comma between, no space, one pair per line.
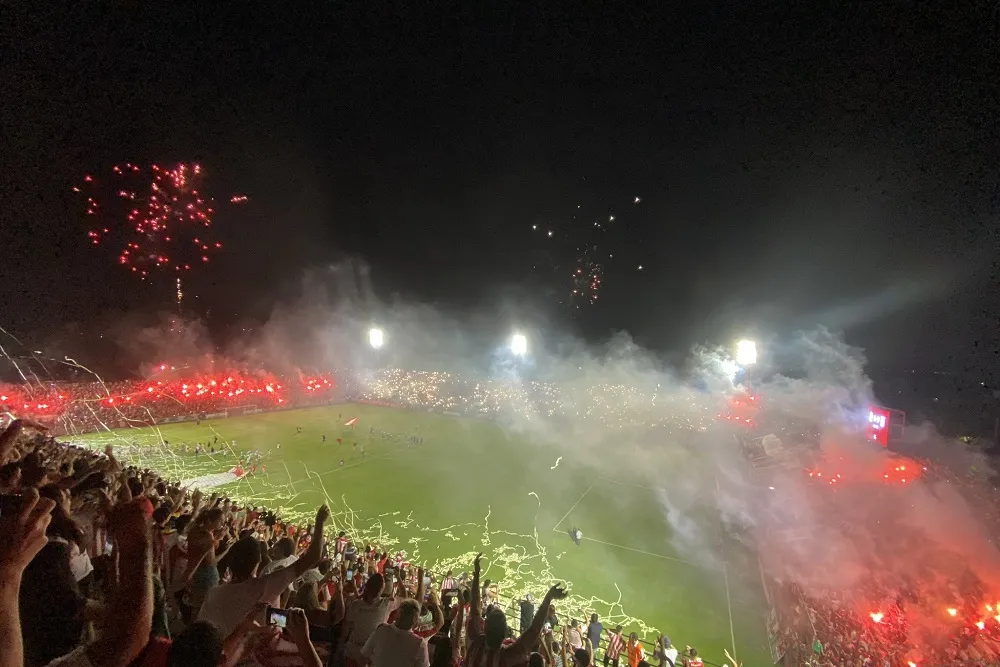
(557,463)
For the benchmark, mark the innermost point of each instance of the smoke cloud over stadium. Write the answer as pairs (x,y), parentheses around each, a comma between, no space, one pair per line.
(777,453)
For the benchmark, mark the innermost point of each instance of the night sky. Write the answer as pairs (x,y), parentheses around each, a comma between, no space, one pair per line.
(796,165)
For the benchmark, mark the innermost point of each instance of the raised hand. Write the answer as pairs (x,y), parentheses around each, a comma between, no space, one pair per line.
(127,524)
(322,514)
(298,626)
(24,533)
(557,592)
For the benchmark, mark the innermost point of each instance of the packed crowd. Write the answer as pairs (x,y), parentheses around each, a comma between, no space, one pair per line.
(74,408)
(935,612)
(826,627)
(106,565)
(80,407)
(232,544)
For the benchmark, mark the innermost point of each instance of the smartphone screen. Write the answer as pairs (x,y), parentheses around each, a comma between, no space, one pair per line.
(277,617)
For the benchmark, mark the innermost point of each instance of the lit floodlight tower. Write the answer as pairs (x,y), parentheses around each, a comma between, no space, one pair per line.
(519,345)
(375,337)
(746,353)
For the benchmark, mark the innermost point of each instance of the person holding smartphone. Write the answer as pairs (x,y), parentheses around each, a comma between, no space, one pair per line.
(227,605)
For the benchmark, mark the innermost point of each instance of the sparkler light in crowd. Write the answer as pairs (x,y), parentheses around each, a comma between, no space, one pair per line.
(376,338)
(156,218)
(519,345)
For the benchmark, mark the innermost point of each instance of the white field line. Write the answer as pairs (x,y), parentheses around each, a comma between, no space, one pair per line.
(556,527)
(640,551)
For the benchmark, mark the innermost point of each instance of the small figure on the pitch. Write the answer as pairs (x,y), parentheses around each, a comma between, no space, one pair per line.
(298,430)
(341,463)
(324,437)
(576,535)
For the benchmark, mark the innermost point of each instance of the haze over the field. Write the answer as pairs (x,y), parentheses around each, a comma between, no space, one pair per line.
(919,532)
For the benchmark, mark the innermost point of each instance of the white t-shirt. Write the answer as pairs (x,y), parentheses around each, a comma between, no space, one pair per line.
(313,576)
(227,605)
(671,655)
(79,561)
(276,565)
(390,646)
(364,617)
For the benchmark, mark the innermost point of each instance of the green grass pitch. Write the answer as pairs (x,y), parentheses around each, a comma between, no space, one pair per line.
(471,486)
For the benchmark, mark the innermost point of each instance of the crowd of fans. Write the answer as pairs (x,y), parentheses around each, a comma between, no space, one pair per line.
(74,408)
(936,611)
(824,628)
(80,407)
(213,569)
(106,565)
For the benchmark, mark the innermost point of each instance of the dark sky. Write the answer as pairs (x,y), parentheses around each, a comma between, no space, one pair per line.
(796,164)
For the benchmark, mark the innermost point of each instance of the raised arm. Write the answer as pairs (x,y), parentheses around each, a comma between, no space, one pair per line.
(337,609)
(476,606)
(421,588)
(546,646)
(196,554)
(314,553)
(436,613)
(23,537)
(530,637)
(456,633)
(130,612)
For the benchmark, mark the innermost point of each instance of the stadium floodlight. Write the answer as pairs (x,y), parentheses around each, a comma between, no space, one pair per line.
(519,345)
(746,353)
(375,338)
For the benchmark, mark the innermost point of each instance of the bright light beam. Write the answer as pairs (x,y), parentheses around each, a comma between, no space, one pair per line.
(376,338)
(746,353)
(519,345)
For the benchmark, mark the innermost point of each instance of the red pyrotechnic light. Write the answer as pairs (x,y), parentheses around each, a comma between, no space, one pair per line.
(952,611)
(877,616)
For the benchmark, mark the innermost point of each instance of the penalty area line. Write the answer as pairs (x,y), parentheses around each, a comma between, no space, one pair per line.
(640,551)
(556,527)
(638,486)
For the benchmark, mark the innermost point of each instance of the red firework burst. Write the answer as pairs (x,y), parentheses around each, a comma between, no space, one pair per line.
(158,218)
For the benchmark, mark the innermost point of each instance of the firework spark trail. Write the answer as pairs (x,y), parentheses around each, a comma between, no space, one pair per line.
(73,363)
(19,371)
(156,217)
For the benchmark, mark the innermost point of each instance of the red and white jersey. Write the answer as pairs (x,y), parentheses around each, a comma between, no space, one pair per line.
(340,544)
(616,644)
